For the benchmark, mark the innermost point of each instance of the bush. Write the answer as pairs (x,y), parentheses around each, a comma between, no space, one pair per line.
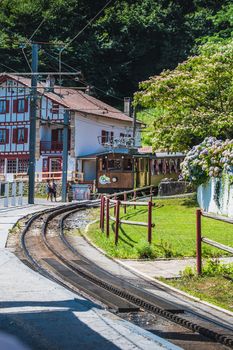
(145,251)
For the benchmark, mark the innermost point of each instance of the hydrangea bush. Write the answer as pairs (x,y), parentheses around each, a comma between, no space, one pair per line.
(209,159)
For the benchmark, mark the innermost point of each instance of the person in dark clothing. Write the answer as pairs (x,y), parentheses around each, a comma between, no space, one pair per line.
(54,189)
(49,190)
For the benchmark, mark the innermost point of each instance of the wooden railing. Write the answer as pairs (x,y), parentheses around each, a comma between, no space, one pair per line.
(51,146)
(200,239)
(105,217)
(44,176)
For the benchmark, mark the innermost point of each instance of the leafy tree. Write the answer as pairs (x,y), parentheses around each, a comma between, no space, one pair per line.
(195,99)
(129,41)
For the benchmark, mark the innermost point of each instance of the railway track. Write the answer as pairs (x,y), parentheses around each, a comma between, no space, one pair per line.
(46,249)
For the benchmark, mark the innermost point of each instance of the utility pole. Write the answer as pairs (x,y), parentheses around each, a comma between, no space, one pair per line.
(65,156)
(32,145)
(134,125)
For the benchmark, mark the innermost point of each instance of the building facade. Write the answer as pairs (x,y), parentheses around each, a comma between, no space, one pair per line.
(94,126)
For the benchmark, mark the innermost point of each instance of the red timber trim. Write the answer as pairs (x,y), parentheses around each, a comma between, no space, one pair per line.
(14,123)
(15,155)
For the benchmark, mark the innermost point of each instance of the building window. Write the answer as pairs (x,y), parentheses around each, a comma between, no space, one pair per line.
(23,165)
(20,105)
(4,106)
(2,165)
(20,135)
(4,136)
(55,164)
(55,108)
(11,166)
(106,136)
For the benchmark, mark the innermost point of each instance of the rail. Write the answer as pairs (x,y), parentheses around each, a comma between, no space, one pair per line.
(200,239)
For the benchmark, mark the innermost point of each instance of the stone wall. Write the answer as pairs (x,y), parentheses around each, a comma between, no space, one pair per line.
(171,188)
(40,188)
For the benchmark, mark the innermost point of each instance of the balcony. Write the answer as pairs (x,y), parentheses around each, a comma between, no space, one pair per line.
(51,147)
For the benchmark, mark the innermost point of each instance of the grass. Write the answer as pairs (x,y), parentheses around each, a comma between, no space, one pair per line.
(173,235)
(215,285)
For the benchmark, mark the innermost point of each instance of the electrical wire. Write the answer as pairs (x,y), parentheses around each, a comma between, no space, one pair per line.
(89,22)
(25,56)
(13,70)
(79,33)
(36,30)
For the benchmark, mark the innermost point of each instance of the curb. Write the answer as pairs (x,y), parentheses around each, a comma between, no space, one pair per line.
(150,279)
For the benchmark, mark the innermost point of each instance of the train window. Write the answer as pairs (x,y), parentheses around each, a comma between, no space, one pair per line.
(160,166)
(127,164)
(173,167)
(114,164)
(102,164)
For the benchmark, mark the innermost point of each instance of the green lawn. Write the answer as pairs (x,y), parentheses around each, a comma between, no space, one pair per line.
(214,285)
(214,289)
(173,235)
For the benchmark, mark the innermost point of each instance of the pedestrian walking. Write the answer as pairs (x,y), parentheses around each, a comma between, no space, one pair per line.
(49,190)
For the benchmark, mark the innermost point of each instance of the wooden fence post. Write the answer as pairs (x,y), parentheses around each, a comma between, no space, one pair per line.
(101,210)
(135,197)
(117,221)
(149,222)
(115,197)
(125,199)
(198,242)
(103,214)
(107,217)
(151,193)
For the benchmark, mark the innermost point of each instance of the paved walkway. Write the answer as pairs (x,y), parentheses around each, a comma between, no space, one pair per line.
(45,315)
(164,268)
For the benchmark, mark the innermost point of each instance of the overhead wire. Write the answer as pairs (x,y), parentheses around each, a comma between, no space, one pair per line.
(26,59)
(79,33)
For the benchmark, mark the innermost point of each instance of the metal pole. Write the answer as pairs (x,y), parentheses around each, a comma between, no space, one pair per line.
(65,156)
(32,144)
(198,242)
(134,124)
(107,217)
(117,221)
(149,222)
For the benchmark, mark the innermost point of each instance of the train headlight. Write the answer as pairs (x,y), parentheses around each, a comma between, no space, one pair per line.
(114,179)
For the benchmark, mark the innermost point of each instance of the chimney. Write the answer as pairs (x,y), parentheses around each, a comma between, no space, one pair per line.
(127,106)
(50,82)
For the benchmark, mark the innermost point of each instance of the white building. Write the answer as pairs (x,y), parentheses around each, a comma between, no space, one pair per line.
(93,124)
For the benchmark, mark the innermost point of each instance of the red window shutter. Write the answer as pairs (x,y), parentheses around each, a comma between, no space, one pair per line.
(15,134)
(26,105)
(7,106)
(25,135)
(15,106)
(7,135)
(103,136)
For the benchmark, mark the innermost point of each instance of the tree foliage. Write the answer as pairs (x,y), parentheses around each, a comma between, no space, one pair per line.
(195,99)
(128,42)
